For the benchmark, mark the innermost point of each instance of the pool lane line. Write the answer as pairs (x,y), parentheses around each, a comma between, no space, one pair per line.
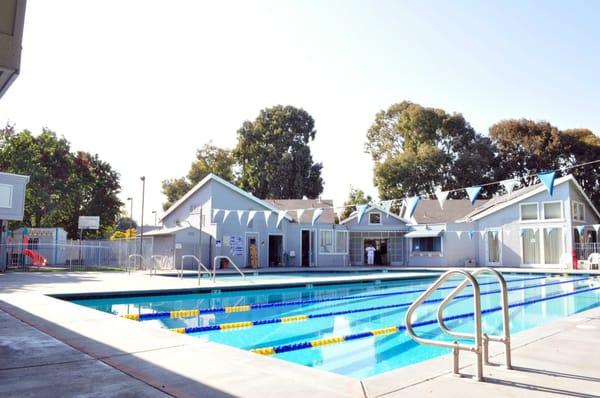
(305,317)
(395,329)
(249,307)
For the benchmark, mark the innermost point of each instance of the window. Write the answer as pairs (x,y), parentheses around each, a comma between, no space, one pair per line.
(553,242)
(432,244)
(375,218)
(578,211)
(493,246)
(326,244)
(553,211)
(530,240)
(341,242)
(529,211)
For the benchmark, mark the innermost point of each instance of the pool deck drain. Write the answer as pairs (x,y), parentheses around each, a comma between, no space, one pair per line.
(87,352)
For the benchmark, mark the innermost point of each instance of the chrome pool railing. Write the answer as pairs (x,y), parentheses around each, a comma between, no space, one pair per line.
(201,267)
(133,257)
(456,347)
(230,262)
(504,338)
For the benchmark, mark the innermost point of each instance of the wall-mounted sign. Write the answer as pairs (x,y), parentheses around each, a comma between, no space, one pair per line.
(89,222)
(218,243)
(178,246)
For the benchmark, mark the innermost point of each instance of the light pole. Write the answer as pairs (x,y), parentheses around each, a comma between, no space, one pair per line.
(130,199)
(142,217)
(154,212)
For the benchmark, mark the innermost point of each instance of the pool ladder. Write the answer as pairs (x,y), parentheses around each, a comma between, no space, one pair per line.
(480,346)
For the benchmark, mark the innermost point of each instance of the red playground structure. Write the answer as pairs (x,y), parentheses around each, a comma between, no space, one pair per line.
(36,259)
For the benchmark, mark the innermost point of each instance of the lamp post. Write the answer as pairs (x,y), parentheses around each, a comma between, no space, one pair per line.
(142,217)
(130,199)
(154,212)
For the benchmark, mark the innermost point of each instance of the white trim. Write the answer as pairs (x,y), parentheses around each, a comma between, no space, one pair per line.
(539,189)
(227,184)
(426,254)
(246,233)
(310,248)
(573,203)
(283,246)
(562,211)
(380,218)
(541,254)
(537,212)
(335,248)
(500,239)
(332,241)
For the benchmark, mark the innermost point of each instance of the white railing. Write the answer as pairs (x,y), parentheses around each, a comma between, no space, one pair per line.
(201,267)
(132,259)
(230,262)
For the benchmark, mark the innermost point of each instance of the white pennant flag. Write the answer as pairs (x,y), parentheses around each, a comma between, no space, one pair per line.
(459,234)
(317,213)
(482,233)
(267,214)
(360,211)
(340,212)
(216,213)
(225,214)
(387,205)
(251,214)
(280,216)
(597,228)
(441,196)
(299,214)
(509,185)
(507,232)
(240,214)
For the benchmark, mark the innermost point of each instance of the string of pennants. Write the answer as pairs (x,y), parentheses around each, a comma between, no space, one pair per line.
(471,234)
(410,203)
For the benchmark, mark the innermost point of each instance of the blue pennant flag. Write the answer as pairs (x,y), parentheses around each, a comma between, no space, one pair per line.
(580,229)
(548,180)
(361,212)
(411,205)
(316,215)
(473,193)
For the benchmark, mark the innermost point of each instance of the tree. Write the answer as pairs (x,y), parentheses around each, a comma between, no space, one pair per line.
(62,185)
(274,156)
(355,197)
(209,159)
(417,149)
(582,146)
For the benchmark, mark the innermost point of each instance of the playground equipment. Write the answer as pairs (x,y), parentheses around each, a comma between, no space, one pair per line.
(36,259)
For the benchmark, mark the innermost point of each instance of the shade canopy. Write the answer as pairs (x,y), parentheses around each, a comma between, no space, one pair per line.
(424,234)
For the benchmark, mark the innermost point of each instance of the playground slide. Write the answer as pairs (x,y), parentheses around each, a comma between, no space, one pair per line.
(36,258)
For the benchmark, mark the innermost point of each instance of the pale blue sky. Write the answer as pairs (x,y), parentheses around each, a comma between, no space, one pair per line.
(144,83)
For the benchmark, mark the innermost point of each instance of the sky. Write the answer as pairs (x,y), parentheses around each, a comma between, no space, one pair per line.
(145,83)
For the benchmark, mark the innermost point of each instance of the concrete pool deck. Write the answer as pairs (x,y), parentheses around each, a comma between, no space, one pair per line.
(46,343)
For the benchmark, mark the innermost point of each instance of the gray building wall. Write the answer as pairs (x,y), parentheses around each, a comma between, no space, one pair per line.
(12,207)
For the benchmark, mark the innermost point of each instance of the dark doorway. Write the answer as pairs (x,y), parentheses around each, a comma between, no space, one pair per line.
(381,252)
(305,255)
(275,250)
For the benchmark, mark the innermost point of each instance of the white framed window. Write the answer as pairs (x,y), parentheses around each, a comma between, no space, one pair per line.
(374,218)
(427,245)
(493,247)
(326,241)
(528,212)
(552,210)
(341,242)
(553,245)
(530,246)
(542,246)
(578,211)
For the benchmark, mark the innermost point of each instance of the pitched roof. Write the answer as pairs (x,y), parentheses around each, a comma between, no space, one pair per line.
(371,207)
(429,211)
(216,178)
(291,205)
(503,201)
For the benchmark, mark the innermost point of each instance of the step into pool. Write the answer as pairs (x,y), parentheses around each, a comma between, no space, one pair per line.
(353,329)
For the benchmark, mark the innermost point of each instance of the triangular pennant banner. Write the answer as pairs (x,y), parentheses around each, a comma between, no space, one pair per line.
(597,228)
(473,193)
(225,214)
(507,232)
(360,211)
(548,180)
(386,205)
(459,234)
(471,234)
(580,229)
(522,232)
(251,215)
(316,215)
(280,216)
(482,233)
(494,234)
(441,196)
(509,186)
(216,213)
(240,214)
(411,206)
(267,214)
(299,214)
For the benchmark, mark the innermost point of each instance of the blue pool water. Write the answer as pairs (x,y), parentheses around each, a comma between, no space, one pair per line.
(256,275)
(361,357)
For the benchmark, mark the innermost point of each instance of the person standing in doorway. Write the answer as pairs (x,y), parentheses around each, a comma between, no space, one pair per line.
(370,254)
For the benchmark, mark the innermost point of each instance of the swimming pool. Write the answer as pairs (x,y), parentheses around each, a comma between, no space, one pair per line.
(358,320)
(268,275)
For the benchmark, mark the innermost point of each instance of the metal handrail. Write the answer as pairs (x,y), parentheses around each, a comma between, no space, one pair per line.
(200,266)
(160,258)
(132,256)
(231,262)
(505,338)
(455,346)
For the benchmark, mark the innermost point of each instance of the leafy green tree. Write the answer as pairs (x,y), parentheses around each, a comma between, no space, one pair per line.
(274,156)
(355,197)
(417,149)
(582,146)
(62,185)
(209,159)
(125,223)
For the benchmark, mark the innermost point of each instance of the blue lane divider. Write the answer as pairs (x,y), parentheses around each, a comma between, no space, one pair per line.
(304,317)
(395,329)
(249,307)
